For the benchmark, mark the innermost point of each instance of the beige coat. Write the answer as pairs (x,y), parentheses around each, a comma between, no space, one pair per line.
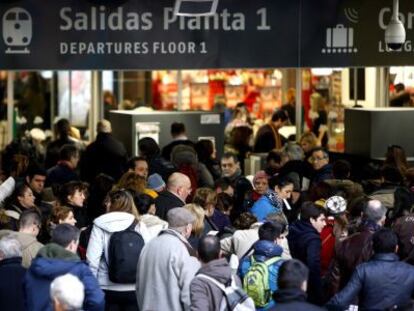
(30,245)
(240,242)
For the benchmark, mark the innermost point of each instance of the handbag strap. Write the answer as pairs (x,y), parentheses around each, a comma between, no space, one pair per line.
(206,277)
(278,141)
(217,283)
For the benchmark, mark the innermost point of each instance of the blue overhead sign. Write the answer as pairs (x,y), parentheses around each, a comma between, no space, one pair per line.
(147,34)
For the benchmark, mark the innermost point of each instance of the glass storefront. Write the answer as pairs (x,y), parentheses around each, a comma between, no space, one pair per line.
(41,97)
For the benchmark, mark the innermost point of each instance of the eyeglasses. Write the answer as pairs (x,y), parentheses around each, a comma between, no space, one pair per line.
(312,159)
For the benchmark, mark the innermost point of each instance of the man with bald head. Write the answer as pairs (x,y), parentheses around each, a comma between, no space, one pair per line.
(178,189)
(357,248)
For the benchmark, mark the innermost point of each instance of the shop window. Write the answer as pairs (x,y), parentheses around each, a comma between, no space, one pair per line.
(74,96)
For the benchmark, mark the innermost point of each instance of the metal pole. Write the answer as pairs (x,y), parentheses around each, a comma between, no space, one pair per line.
(180,90)
(94,110)
(386,86)
(298,103)
(355,86)
(120,88)
(10,106)
(53,100)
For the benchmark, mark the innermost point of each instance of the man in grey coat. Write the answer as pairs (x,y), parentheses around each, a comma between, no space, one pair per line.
(205,295)
(166,266)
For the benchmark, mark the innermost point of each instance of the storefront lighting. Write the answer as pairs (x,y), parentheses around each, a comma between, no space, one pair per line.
(322,71)
(195,7)
(46,74)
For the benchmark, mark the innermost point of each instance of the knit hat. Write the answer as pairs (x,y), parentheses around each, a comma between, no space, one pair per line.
(180,217)
(335,205)
(155,182)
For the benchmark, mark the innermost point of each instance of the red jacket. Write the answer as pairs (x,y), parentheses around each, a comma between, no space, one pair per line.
(328,246)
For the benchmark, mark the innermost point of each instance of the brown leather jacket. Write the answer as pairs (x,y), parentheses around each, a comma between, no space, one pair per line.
(404,228)
(349,253)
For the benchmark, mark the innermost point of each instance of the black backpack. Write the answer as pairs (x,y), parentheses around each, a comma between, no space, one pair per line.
(123,254)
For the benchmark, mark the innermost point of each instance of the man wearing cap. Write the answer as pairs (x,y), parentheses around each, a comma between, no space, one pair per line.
(105,155)
(166,266)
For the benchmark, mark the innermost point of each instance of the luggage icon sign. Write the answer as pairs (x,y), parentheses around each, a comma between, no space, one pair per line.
(17,30)
(339,40)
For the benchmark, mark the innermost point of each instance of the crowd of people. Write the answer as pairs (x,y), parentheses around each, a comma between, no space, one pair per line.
(90,228)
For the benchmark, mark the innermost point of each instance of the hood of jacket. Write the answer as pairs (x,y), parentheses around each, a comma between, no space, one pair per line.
(272,197)
(55,251)
(152,220)
(302,228)
(289,294)
(25,239)
(218,269)
(114,221)
(52,261)
(267,249)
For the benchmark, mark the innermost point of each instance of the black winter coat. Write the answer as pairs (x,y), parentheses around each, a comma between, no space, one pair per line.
(11,284)
(166,201)
(292,299)
(381,283)
(305,245)
(60,174)
(161,166)
(53,149)
(105,155)
(322,174)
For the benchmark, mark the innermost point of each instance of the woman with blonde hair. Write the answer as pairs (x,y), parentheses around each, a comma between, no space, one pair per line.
(198,226)
(121,215)
(308,141)
(134,182)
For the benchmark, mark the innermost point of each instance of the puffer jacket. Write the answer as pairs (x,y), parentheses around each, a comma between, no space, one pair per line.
(97,252)
(51,262)
(205,295)
(380,284)
(269,203)
(305,245)
(264,250)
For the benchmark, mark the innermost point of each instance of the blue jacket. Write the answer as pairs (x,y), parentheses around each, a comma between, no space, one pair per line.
(305,245)
(264,250)
(53,261)
(11,280)
(268,203)
(381,283)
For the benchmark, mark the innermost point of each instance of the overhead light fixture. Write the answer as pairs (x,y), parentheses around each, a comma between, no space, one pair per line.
(195,8)
(322,71)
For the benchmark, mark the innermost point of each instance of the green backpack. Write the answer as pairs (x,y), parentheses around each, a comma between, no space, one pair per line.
(256,281)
